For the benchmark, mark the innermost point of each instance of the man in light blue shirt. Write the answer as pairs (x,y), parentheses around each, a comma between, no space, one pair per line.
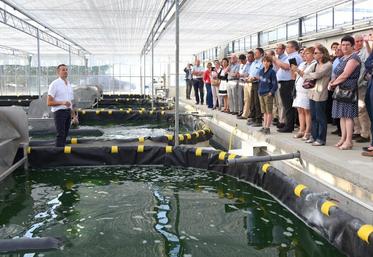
(244,74)
(337,60)
(281,55)
(255,68)
(287,83)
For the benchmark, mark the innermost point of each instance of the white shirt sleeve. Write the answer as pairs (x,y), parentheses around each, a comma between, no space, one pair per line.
(72,93)
(52,90)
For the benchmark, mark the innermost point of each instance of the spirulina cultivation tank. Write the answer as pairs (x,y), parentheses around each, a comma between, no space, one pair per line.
(152,211)
(164,211)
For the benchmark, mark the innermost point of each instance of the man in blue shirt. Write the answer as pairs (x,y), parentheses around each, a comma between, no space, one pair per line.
(287,83)
(255,68)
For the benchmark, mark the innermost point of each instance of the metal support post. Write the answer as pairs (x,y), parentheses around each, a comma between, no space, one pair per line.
(144,71)
(177,73)
(130,79)
(141,81)
(69,57)
(152,70)
(113,89)
(39,69)
(86,70)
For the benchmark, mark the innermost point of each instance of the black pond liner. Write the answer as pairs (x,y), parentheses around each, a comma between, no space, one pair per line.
(17,102)
(337,226)
(18,97)
(124,115)
(129,102)
(114,96)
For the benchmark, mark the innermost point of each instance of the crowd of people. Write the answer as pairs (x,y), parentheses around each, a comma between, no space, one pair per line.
(291,85)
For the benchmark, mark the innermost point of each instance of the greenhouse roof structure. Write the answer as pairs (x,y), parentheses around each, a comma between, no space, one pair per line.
(113,27)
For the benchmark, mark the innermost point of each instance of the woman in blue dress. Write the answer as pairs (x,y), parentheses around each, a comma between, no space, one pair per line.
(347,74)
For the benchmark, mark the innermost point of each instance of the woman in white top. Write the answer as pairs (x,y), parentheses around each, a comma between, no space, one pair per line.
(302,101)
(223,76)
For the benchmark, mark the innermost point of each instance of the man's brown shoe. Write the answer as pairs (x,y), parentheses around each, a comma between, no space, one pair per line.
(368,154)
(362,139)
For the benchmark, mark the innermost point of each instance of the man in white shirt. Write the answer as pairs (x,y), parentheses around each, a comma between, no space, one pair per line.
(60,96)
(286,79)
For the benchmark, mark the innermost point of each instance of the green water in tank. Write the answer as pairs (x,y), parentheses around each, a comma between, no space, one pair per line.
(151,211)
(131,129)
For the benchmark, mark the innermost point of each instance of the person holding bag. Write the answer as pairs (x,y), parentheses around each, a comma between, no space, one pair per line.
(302,101)
(318,94)
(345,107)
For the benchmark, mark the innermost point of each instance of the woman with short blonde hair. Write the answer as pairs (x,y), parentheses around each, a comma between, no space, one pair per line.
(223,76)
(301,101)
(318,95)
(215,83)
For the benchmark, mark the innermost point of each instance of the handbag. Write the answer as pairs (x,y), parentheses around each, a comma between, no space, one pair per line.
(215,82)
(345,95)
(310,83)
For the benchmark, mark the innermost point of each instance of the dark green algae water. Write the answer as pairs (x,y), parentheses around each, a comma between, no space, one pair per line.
(151,211)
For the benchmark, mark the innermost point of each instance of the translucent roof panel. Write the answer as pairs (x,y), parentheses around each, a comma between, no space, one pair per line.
(22,41)
(101,27)
(120,27)
(209,23)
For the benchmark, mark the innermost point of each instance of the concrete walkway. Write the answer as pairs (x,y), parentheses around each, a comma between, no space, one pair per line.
(346,174)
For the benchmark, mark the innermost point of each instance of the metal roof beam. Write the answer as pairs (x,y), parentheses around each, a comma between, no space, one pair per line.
(13,51)
(15,22)
(164,18)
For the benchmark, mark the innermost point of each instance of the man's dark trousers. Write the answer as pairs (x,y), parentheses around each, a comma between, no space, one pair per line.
(189,85)
(286,94)
(62,120)
(256,112)
(198,87)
